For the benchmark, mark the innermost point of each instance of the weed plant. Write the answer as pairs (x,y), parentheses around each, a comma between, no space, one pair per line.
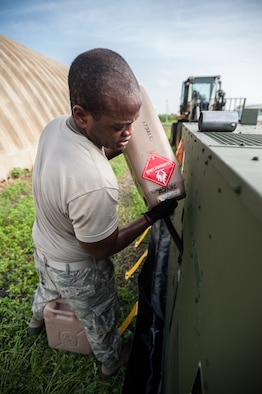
(27,364)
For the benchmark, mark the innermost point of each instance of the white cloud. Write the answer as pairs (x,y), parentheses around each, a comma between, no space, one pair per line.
(164,42)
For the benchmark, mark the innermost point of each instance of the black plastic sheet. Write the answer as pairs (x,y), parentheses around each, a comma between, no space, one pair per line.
(144,369)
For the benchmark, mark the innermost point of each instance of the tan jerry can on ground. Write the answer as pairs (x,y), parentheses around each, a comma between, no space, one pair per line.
(64,330)
(150,158)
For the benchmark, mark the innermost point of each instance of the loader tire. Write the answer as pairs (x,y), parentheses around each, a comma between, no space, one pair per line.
(173,134)
(176,132)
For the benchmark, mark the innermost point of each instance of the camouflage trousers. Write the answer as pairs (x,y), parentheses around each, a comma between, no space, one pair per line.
(92,295)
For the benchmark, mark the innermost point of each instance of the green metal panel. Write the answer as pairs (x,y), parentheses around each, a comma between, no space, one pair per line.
(213,341)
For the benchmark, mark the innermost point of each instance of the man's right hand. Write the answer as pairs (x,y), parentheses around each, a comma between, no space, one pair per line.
(165,209)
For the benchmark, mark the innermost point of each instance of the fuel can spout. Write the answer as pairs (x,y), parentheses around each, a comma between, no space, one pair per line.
(174,234)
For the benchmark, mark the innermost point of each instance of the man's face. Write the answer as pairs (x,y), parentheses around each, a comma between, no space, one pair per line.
(114,129)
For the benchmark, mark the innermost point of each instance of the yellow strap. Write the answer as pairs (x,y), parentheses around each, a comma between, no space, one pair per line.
(136,265)
(129,318)
(140,239)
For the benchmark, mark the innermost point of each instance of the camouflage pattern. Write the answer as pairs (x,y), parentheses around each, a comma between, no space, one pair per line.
(92,295)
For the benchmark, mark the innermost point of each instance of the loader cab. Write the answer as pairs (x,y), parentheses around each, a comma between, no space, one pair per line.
(198,94)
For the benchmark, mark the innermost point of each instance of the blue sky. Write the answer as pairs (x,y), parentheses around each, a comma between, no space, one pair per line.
(163,41)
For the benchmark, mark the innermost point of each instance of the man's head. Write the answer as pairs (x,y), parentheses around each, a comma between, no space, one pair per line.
(104,93)
(98,74)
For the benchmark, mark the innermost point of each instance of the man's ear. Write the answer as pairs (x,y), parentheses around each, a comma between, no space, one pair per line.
(81,116)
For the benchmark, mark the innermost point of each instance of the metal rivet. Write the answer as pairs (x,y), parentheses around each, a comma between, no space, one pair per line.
(237,189)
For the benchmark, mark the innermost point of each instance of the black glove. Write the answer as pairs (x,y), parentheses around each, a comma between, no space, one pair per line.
(165,209)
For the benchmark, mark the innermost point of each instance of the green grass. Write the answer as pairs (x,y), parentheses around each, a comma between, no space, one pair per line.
(27,364)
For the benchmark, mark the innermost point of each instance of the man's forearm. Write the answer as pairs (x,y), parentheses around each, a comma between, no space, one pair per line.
(128,233)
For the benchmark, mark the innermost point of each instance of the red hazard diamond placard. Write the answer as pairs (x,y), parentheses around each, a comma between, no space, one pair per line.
(158,169)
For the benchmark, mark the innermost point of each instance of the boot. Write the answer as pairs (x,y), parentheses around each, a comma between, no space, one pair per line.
(35,326)
(107,371)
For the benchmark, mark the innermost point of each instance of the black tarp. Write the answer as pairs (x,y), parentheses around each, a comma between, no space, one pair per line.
(144,369)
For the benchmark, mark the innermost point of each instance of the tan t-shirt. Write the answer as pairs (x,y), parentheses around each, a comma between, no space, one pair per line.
(75,193)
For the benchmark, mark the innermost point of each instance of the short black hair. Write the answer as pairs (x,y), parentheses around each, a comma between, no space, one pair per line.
(94,74)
